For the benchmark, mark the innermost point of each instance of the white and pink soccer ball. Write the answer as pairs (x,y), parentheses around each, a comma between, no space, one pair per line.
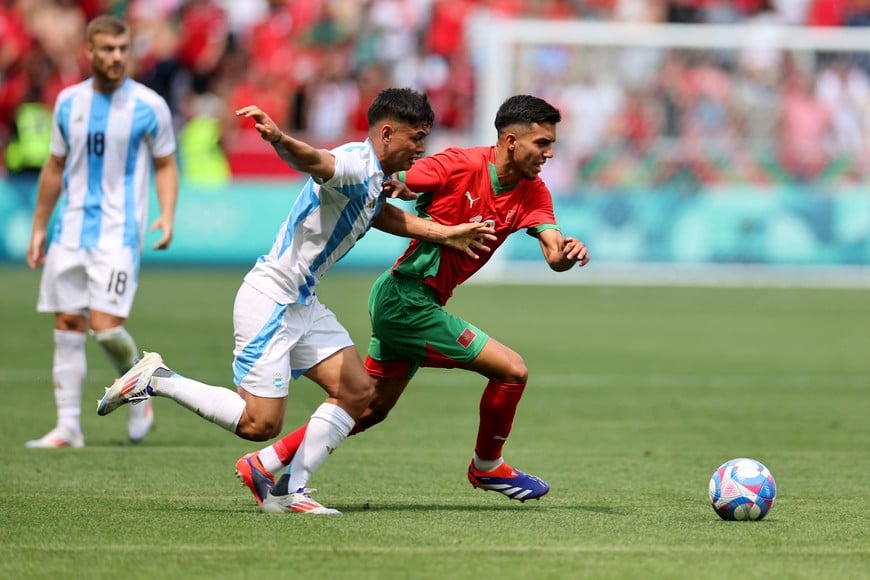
(742,489)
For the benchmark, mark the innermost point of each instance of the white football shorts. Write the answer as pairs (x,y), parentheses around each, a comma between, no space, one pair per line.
(275,343)
(76,280)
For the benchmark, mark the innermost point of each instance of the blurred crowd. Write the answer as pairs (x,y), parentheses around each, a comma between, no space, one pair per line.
(314,65)
(753,114)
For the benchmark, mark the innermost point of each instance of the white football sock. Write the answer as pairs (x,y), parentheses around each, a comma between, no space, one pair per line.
(69,369)
(219,405)
(327,428)
(485,465)
(269,458)
(119,347)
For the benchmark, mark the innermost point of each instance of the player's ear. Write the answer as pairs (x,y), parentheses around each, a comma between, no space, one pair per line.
(386,133)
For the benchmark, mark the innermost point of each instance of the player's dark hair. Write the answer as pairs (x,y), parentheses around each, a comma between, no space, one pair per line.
(105,24)
(404,105)
(525,110)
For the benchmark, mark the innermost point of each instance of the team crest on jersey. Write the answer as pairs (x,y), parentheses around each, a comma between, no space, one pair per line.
(466,338)
(511,215)
(372,203)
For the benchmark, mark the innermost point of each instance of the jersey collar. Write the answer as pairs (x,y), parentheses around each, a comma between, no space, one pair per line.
(497,188)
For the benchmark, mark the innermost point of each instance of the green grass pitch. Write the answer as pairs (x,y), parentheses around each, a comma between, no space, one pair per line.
(635,396)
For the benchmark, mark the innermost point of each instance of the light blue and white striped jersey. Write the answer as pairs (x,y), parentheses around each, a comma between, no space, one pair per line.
(109,142)
(324,223)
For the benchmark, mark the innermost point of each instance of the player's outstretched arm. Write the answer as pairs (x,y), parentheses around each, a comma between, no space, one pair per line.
(562,253)
(397,189)
(166,184)
(299,155)
(48,192)
(469,237)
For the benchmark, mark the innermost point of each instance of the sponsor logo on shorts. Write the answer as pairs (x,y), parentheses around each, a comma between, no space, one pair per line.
(466,338)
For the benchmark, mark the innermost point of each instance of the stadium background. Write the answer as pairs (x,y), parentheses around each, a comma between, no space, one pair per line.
(637,393)
(691,163)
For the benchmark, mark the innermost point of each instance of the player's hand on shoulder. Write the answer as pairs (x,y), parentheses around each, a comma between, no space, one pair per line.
(575,250)
(397,189)
(268,129)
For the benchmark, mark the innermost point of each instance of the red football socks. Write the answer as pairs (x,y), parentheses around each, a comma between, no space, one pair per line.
(287,445)
(498,406)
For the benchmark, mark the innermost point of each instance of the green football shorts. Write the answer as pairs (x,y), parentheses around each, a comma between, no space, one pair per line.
(410,329)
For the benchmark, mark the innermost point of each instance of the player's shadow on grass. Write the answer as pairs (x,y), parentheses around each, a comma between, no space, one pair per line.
(181,444)
(383,508)
(512,506)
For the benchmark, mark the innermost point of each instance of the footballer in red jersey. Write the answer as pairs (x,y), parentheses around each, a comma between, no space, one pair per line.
(461,185)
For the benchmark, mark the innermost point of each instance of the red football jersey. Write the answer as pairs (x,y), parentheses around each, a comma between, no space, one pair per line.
(460,185)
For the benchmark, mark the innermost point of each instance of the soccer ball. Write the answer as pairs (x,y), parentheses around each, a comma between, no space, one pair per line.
(742,489)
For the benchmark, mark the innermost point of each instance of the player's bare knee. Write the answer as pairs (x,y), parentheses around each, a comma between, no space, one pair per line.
(71,322)
(359,397)
(258,429)
(516,372)
(257,433)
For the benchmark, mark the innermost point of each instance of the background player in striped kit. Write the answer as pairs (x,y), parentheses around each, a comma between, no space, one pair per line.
(282,331)
(108,133)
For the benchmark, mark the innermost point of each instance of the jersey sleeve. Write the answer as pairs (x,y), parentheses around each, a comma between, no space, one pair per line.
(350,169)
(163,142)
(59,146)
(431,173)
(538,214)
